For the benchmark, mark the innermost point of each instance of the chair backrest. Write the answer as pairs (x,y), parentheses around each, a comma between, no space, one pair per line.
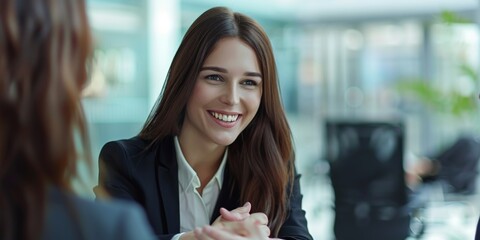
(459,165)
(366,170)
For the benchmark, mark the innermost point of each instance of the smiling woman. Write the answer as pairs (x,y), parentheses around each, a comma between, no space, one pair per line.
(217,135)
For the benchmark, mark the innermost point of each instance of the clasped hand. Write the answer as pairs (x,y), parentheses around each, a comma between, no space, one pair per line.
(237,224)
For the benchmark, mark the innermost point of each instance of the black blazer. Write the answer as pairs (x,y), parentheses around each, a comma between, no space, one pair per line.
(150,178)
(477,232)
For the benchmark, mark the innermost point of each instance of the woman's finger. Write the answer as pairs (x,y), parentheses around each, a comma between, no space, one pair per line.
(263,230)
(200,234)
(254,228)
(258,218)
(236,214)
(219,234)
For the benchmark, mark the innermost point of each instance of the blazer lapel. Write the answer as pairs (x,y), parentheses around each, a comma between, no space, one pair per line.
(167,179)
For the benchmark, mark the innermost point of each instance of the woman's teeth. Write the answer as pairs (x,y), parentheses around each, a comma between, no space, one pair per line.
(224,117)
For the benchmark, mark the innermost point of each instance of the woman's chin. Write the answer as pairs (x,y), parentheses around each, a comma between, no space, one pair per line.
(225,141)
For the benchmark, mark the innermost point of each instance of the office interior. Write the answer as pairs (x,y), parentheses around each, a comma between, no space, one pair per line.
(408,62)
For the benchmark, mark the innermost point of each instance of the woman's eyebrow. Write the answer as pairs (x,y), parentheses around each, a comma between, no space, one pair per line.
(217,69)
(253,74)
(223,70)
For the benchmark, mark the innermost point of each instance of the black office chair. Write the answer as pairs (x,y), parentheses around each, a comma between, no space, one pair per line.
(366,170)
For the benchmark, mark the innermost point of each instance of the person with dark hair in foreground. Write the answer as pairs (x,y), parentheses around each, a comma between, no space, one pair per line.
(44,48)
(217,138)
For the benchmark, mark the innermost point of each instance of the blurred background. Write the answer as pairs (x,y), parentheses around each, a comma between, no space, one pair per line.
(413,62)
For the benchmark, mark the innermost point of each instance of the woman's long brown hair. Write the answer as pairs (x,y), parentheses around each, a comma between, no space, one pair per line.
(44,47)
(262,157)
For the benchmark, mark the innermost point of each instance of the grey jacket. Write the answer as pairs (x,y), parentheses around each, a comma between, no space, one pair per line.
(72,217)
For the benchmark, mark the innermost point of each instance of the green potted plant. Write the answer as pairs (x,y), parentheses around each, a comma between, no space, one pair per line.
(451,101)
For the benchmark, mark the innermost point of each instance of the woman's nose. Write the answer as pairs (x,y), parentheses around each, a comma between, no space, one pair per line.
(231,95)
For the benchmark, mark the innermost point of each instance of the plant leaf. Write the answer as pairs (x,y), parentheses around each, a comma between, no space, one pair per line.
(449,17)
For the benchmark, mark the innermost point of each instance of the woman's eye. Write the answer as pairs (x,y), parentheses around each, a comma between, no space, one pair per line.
(214,77)
(249,83)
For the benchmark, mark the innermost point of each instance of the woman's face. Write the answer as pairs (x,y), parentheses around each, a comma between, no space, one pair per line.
(226,95)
